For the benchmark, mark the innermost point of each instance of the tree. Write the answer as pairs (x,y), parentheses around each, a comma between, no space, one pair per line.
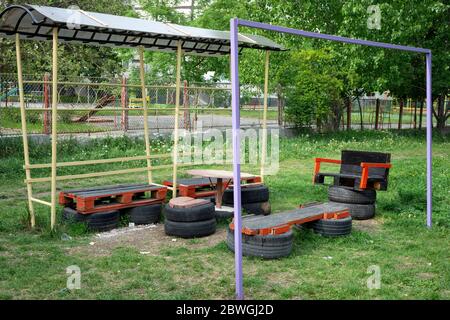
(316,91)
(419,23)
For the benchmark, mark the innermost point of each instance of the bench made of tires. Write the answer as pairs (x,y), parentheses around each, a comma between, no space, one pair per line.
(254,199)
(361,203)
(271,236)
(266,247)
(101,221)
(108,220)
(187,217)
(148,214)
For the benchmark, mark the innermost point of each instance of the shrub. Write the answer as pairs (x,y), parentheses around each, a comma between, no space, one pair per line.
(315,94)
(13,115)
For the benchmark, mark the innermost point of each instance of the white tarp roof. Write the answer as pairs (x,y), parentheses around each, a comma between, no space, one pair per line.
(36,23)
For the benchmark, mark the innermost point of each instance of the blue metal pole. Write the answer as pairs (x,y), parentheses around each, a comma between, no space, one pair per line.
(234,25)
(429,141)
(235,93)
(315,35)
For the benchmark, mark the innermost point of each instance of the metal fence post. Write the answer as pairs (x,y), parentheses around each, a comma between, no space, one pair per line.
(421,113)
(124,103)
(349,113)
(187,116)
(279,105)
(415,114)
(46,104)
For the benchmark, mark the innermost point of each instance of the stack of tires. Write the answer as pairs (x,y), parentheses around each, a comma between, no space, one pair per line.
(254,199)
(266,247)
(361,204)
(190,222)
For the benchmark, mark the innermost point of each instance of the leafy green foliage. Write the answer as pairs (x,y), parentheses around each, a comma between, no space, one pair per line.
(315,95)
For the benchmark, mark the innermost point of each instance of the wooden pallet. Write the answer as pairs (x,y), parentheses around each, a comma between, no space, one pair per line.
(105,198)
(202,187)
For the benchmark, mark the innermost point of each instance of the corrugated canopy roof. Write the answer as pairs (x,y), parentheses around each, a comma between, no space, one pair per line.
(36,23)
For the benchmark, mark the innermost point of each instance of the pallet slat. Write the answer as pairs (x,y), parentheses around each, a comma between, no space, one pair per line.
(98,199)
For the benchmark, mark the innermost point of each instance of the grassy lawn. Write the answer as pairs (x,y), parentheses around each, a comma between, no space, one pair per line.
(414,261)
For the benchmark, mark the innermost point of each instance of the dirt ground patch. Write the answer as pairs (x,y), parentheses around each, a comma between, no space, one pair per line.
(148,240)
(370,226)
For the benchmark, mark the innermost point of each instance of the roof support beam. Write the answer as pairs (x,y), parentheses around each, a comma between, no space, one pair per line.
(24,129)
(54,125)
(264,126)
(177,114)
(144,106)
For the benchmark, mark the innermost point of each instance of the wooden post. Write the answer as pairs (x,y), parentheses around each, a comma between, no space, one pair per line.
(54,125)
(46,104)
(177,110)
(264,131)
(24,130)
(377,113)
(144,106)
(124,102)
(400,114)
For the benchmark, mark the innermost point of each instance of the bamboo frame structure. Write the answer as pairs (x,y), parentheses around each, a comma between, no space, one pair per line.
(98,174)
(264,130)
(54,125)
(144,105)
(55,37)
(24,130)
(177,111)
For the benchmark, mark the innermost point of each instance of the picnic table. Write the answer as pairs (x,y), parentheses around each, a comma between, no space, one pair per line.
(220,176)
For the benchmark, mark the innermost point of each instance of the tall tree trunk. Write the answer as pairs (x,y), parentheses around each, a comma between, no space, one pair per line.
(348,106)
(441,113)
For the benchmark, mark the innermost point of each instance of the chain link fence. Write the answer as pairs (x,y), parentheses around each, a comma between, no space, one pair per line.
(101,105)
(114,105)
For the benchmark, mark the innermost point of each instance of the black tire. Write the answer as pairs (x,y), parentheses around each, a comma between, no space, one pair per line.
(333,227)
(70,215)
(361,211)
(303,226)
(190,229)
(103,221)
(145,214)
(348,195)
(266,247)
(198,213)
(223,214)
(251,194)
(258,208)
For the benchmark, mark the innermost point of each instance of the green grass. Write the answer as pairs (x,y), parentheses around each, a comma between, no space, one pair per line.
(414,261)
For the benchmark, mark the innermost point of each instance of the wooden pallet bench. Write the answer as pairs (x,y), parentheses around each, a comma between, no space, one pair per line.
(202,187)
(358,169)
(92,200)
(281,222)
